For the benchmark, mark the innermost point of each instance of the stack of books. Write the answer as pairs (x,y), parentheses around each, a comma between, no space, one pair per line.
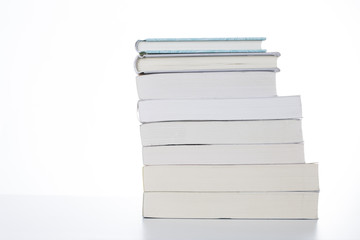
(217,140)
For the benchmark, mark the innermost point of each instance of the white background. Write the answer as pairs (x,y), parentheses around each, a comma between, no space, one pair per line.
(68,123)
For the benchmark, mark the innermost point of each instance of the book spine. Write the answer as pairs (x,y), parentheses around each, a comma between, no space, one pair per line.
(136,64)
(137,45)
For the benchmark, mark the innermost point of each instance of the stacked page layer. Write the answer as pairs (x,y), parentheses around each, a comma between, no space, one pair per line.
(221,132)
(231,178)
(220,109)
(244,205)
(206,85)
(224,154)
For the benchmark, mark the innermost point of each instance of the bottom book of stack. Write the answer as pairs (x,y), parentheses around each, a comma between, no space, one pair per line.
(249,205)
(280,191)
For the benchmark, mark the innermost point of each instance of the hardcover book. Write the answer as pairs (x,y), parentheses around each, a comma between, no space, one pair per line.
(206,62)
(188,45)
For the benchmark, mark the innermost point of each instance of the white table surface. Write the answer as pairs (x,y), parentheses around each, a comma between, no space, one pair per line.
(69,217)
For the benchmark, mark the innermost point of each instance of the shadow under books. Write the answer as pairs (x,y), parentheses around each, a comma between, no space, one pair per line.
(228,229)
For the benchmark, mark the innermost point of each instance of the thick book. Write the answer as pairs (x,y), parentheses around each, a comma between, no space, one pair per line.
(206,62)
(221,132)
(219,109)
(224,154)
(243,205)
(173,45)
(231,178)
(206,85)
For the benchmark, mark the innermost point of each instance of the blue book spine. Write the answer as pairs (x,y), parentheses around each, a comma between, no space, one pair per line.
(200,51)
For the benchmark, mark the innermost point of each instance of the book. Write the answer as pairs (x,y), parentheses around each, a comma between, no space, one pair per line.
(172,45)
(206,62)
(221,132)
(224,154)
(217,140)
(244,205)
(231,178)
(206,85)
(219,109)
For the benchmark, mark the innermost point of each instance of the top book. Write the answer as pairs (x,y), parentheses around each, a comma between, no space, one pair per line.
(199,45)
